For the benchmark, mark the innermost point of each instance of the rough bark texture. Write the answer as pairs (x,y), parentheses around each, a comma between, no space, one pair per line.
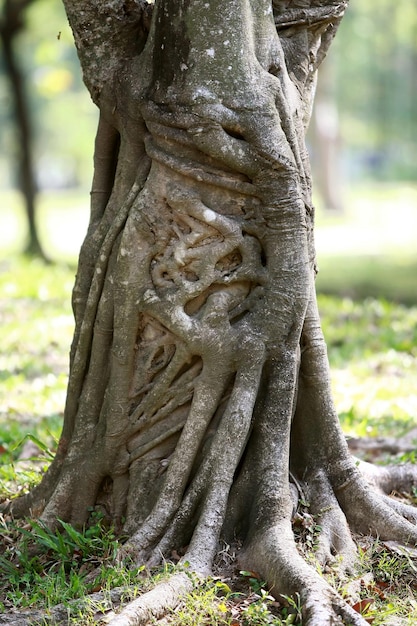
(199,378)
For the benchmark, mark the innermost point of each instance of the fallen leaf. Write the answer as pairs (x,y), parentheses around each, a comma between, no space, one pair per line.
(363,605)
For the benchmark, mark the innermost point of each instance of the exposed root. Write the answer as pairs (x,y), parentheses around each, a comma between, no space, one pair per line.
(155,603)
(381,448)
(369,512)
(334,541)
(274,556)
(398,478)
(324,607)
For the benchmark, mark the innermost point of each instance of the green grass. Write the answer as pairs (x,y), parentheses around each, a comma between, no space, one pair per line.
(387,584)
(372,349)
(36,325)
(41,568)
(66,566)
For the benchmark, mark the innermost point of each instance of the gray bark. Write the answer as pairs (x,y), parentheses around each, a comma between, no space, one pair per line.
(199,375)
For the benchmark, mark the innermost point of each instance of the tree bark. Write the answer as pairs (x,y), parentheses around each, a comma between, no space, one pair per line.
(199,380)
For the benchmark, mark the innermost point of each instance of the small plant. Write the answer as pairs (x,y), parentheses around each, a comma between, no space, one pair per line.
(259,608)
(42,568)
(306,532)
(257,613)
(292,611)
(256,584)
(207,604)
(389,585)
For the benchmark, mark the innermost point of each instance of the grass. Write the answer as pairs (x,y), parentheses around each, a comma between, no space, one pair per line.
(41,569)
(387,584)
(373,353)
(372,349)
(36,325)
(48,568)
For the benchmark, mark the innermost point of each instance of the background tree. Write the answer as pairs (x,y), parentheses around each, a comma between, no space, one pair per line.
(376,90)
(199,380)
(325,142)
(11,23)
(60,143)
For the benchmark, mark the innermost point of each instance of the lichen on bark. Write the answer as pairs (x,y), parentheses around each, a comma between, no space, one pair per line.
(199,380)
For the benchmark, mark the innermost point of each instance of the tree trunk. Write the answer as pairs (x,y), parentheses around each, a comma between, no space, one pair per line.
(199,378)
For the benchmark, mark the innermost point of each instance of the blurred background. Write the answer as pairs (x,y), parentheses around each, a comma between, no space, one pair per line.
(363,143)
(47,126)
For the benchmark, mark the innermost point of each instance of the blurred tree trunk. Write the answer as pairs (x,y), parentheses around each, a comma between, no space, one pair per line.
(324,136)
(11,24)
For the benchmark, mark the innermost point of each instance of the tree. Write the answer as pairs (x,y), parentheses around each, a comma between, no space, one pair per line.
(199,401)
(378,121)
(325,141)
(11,23)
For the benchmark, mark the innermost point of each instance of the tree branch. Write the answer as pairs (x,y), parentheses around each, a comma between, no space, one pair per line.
(318,19)
(306,32)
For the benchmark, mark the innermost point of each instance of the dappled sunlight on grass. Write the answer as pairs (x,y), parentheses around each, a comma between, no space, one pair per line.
(373,357)
(371,402)
(36,326)
(379,219)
